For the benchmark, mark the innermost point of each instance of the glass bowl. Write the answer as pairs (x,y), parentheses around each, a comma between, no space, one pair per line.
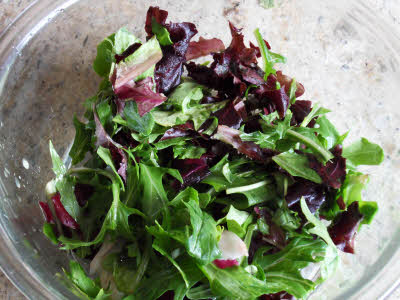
(344,54)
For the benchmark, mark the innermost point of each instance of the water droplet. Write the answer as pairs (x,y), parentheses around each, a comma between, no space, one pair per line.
(6,172)
(25,163)
(19,198)
(17,183)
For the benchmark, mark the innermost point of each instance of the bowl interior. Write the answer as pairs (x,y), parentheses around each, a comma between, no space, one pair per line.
(346,57)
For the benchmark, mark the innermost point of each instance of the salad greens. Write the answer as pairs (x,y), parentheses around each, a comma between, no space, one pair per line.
(205,186)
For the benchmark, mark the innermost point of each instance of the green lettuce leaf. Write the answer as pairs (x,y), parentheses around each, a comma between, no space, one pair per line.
(363,152)
(198,114)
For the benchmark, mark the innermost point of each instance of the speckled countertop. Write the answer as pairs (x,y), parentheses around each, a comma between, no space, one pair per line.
(9,9)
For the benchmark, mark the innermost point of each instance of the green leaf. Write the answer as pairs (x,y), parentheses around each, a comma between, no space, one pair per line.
(116,219)
(353,186)
(297,165)
(308,138)
(105,155)
(192,227)
(202,244)
(81,280)
(154,197)
(286,219)
(49,233)
(237,221)
(292,91)
(141,59)
(317,110)
(123,39)
(186,95)
(143,125)
(166,278)
(81,143)
(105,56)
(161,32)
(58,166)
(269,58)
(188,151)
(331,260)
(64,185)
(282,269)
(368,209)
(202,291)
(234,283)
(329,133)
(198,114)
(363,152)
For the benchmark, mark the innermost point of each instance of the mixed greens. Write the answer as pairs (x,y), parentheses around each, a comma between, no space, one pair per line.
(205,185)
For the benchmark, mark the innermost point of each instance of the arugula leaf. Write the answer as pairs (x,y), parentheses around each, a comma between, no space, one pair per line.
(234,283)
(161,32)
(202,244)
(307,137)
(271,133)
(269,58)
(164,278)
(363,152)
(81,143)
(286,219)
(198,233)
(153,195)
(282,269)
(328,133)
(49,233)
(331,260)
(81,281)
(198,114)
(105,155)
(297,165)
(143,125)
(116,219)
(185,95)
(64,185)
(292,91)
(317,110)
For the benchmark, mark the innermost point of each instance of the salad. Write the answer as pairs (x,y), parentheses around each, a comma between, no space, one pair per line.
(210,180)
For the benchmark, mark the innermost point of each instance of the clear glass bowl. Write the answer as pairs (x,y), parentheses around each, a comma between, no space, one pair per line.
(344,54)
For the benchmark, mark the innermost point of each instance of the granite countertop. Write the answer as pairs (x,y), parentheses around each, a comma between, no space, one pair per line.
(9,9)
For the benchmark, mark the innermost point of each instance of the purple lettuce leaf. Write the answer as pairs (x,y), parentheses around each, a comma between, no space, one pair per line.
(204,47)
(343,230)
(333,172)
(314,195)
(169,69)
(142,93)
(192,170)
(231,136)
